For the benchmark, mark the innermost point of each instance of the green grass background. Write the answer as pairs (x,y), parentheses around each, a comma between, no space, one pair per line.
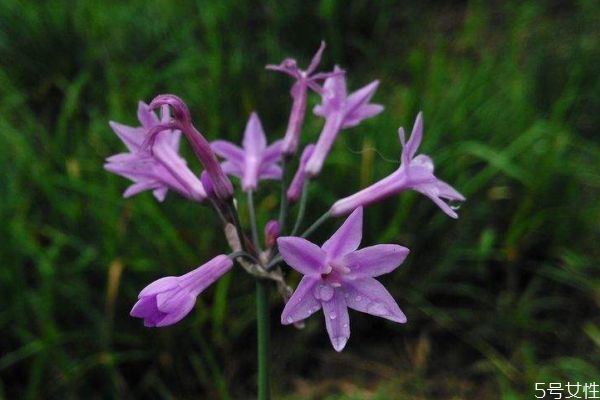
(504,297)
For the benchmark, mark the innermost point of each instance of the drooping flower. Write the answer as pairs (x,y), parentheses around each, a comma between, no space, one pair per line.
(169,299)
(415,173)
(272,232)
(296,186)
(340,111)
(304,80)
(182,121)
(158,170)
(255,161)
(337,276)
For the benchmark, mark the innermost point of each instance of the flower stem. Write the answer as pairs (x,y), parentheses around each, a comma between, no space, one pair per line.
(301,208)
(316,224)
(253,227)
(262,330)
(283,204)
(238,226)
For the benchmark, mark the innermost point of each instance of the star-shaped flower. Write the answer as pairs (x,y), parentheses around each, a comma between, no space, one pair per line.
(415,172)
(158,169)
(340,111)
(337,276)
(304,79)
(255,161)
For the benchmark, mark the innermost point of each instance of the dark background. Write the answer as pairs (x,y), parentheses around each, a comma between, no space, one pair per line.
(502,298)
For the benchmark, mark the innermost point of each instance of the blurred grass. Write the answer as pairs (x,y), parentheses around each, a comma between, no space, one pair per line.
(506,296)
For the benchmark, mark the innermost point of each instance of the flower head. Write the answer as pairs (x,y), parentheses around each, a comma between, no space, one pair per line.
(255,161)
(183,121)
(337,276)
(167,300)
(304,79)
(272,232)
(158,170)
(340,111)
(415,172)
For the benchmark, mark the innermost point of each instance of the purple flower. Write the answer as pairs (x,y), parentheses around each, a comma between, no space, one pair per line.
(296,186)
(167,300)
(255,161)
(415,173)
(272,232)
(183,121)
(340,111)
(304,80)
(338,276)
(158,170)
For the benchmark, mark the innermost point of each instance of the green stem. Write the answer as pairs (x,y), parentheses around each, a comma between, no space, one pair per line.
(283,204)
(302,208)
(262,330)
(253,227)
(316,224)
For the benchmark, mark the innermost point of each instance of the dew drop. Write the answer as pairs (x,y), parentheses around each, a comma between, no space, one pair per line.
(289,320)
(332,315)
(345,325)
(454,204)
(323,292)
(358,298)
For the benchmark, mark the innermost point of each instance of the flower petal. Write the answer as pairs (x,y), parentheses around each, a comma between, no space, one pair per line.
(302,255)
(177,312)
(302,304)
(314,63)
(270,171)
(369,296)
(228,150)
(147,117)
(158,286)
(132,137)
(337,320)
(255,140)
(415,137)
(272,153)
(231,168)
(144,307)
(347,238)
(363,112)
(375,260)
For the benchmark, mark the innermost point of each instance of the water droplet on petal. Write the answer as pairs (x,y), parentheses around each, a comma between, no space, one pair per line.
(345,325)
(358,298)
(454,204)
(332,315)
(339,342)
(323,292)
(376,309)
(290,320)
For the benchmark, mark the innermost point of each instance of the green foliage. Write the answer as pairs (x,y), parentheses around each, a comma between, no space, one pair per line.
(506,296)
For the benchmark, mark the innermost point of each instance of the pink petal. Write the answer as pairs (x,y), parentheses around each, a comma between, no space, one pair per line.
(302,304)
(337,320)
(375,260)
(228,150)
(302,255)
(347,238)
(369,296)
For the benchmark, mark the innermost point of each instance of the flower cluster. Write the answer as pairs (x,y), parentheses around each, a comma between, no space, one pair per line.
(336,275)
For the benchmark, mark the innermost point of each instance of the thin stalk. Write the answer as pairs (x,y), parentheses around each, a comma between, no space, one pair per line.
(253,227)
(238,225)
(262,330)
(316,224)
(283,203)
(301,208)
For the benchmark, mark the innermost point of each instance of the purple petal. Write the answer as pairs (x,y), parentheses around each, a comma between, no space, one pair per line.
(176,307)
(302,255)
(147,118)
(144,307)
(273,152)
(302,304)
(369,296)
(272,171)
(347,238)
(205,275)
(360,97)
(314,63)
(228,150)
(133,138)
(295,189)
(375,260)
(448,192)
(160,194)
(234,169)
(140,187)
(415,137)
(158,286)
(254,141)
(337,320)
(363,112)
